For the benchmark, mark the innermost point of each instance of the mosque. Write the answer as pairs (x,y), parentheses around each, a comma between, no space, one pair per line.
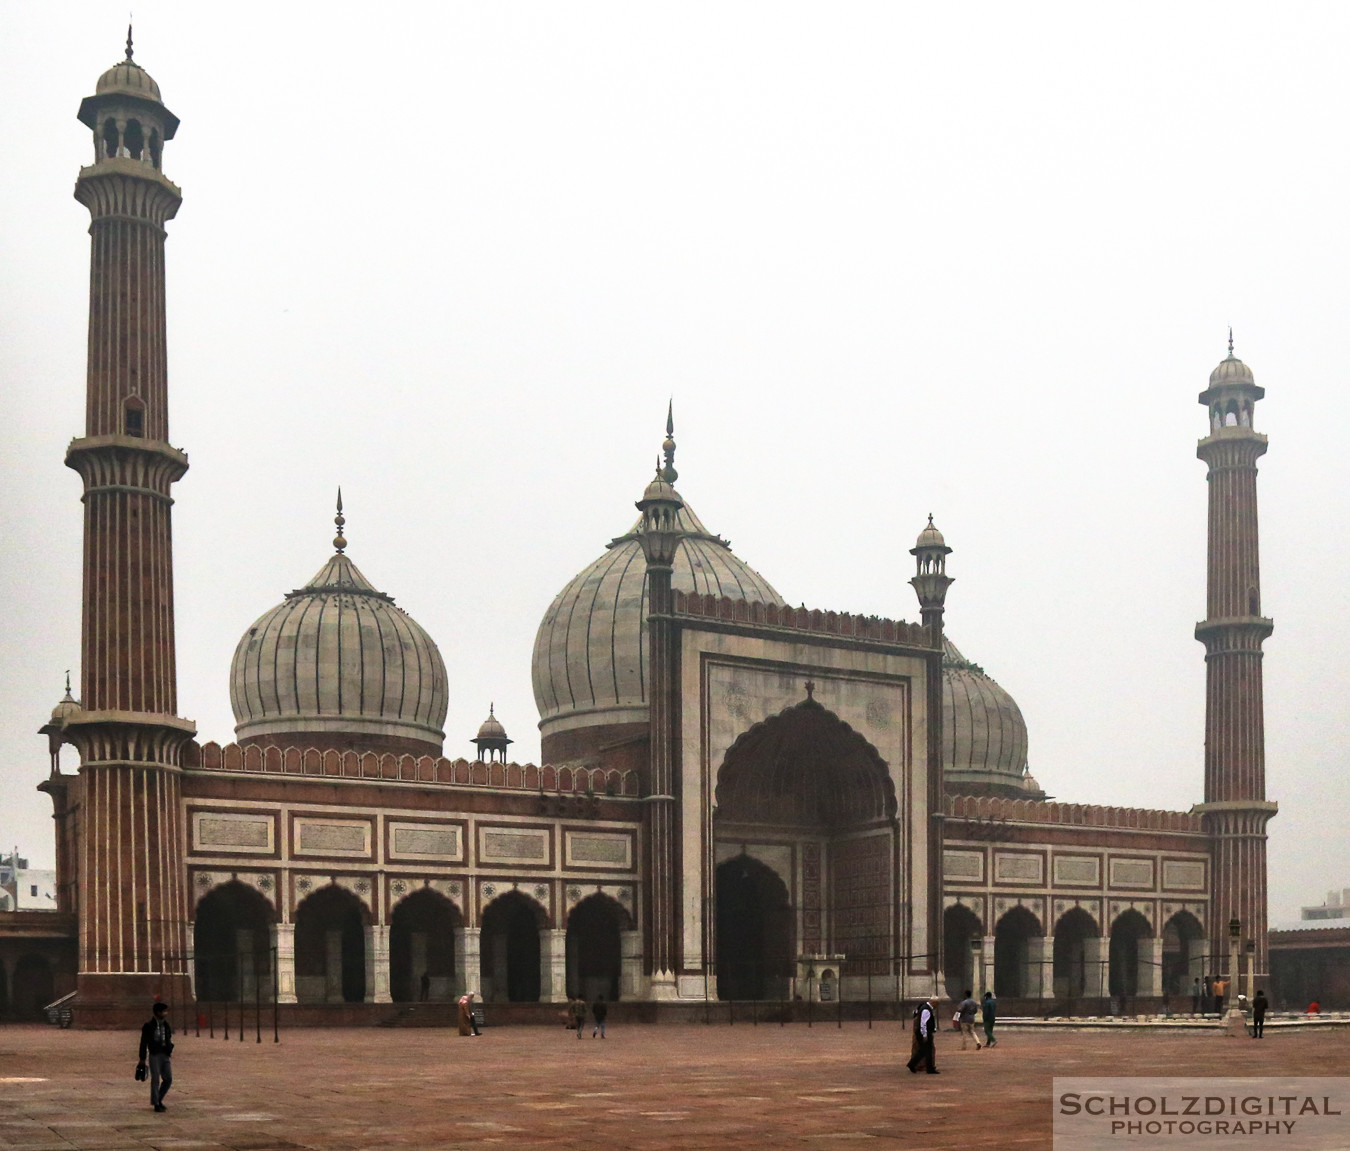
(739,799)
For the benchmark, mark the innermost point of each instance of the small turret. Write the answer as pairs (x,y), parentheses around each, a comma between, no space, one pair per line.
(660,506)
(931,580)
(491,739)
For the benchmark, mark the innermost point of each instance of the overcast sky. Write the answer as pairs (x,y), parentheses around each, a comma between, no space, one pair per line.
(889,259)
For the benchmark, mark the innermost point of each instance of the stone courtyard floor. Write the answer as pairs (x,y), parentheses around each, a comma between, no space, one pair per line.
(643,1087)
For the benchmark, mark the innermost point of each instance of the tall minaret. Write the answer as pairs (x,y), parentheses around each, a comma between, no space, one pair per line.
(1236,809)
(660,533)
(132,902)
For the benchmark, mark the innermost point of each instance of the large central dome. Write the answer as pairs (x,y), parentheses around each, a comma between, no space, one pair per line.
(590,654)
(337,664)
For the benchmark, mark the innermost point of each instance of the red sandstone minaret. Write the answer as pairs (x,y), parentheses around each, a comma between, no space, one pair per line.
(659,534)
(132,903)
(1236,809)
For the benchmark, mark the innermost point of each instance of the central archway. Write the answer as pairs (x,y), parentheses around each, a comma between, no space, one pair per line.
(755,949)
(806,792)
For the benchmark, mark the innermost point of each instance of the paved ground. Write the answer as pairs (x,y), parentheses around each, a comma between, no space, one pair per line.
(643,1087)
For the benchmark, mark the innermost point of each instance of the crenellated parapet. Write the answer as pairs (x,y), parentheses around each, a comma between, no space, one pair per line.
(872,628)
(991,807)
(428,770)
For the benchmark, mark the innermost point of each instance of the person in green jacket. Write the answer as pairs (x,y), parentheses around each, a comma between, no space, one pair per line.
(989,1012)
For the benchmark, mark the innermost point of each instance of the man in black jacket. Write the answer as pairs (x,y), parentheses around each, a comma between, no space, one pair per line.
(157,1047)
(1260,1005)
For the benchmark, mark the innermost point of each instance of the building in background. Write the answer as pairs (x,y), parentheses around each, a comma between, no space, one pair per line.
(1337,906)
(739,799)
(1310,956)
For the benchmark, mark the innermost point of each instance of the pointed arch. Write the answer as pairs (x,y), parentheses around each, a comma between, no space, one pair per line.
(510,943)
(805,767)
(422,930)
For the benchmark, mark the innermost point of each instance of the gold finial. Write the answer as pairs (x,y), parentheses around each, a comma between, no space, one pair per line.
(129,48)
(1230,341)
(668,473)
(339,541)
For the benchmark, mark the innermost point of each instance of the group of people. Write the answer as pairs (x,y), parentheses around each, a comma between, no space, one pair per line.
(922,1044)
(576,1015)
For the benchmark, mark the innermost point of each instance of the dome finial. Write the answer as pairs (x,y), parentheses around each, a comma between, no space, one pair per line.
(130,50)
(668,473)
(1230,341)
(67,681)
(339,541)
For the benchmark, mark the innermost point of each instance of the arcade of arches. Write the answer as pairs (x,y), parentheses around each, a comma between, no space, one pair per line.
(805,839)
(1077,961)
(519,957)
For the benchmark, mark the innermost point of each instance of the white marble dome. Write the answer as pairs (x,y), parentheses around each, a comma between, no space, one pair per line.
(338,664)
(984,737)
(590,653)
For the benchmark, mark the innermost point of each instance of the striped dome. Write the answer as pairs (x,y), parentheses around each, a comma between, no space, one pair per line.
(590,653)
(128,78)
(984,737)
(337,659)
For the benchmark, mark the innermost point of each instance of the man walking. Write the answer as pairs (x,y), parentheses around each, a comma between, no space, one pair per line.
(925,1026)
(989,1010)
(156,1048)
(1195,997)
(965,1016)
(1259,1006)
(577,1007)
(1220,990)
(600,1009)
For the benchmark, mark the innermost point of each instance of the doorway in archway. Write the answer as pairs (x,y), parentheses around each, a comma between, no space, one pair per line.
(804,790)
(1183,954)
(33,986)
(330,947)
(422,948)
(1074,929)
(594,948)
(960,926)
(1126,974)
(755,945)
(1013,973)
(510,949)
(232,944)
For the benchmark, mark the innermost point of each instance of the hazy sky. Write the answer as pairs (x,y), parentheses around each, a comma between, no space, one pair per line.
(889,259)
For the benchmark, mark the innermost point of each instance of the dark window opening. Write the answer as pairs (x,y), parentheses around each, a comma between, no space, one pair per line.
(110,137)
(135,420)
(135,141)
(154,148)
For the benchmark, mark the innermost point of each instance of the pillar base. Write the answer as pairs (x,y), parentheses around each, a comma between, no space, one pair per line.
(125,999)
(663,987)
